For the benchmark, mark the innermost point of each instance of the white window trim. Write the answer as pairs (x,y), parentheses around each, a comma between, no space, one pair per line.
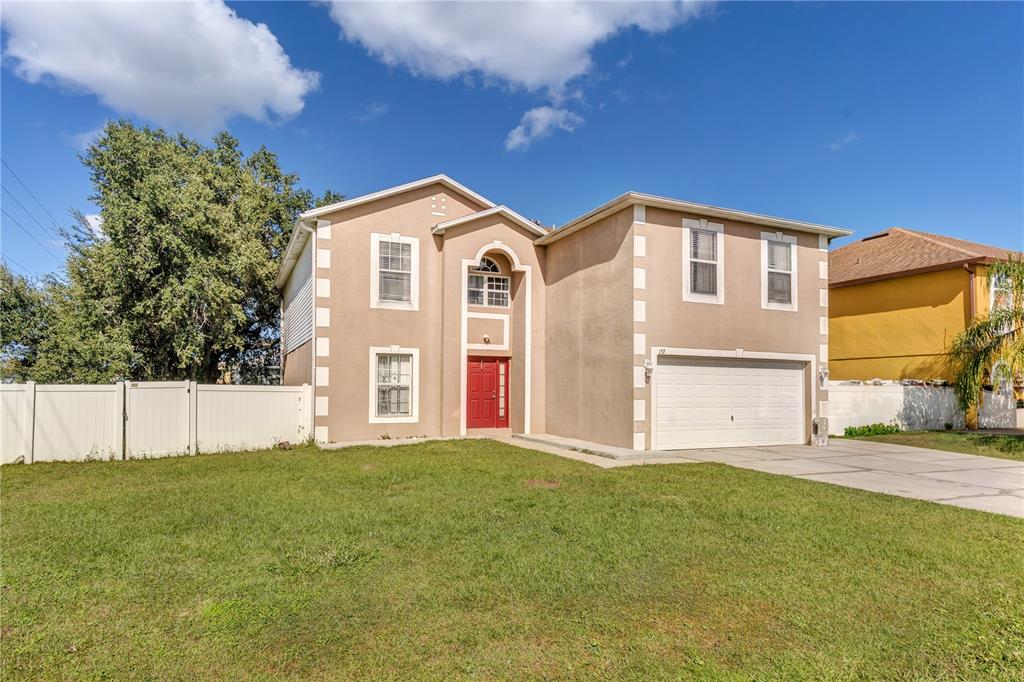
(414,405)
(487,289)
(414,280)
(690,224)
(793,252)
(992,289)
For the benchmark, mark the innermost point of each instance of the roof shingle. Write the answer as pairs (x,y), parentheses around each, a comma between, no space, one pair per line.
(899,250)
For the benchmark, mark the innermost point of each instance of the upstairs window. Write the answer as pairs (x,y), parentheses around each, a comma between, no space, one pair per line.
(778,271)
(394,272)
(486,289)
(1001,295)
(703,261)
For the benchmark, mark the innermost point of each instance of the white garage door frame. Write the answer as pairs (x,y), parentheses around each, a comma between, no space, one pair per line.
(737,354)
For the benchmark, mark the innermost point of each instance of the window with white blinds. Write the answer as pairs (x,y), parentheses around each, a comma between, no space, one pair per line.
(703,277)
(394,272)
(778,271)
(703,262)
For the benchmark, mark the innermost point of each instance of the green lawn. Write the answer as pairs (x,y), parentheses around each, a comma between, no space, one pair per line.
(973,443)
(463,559)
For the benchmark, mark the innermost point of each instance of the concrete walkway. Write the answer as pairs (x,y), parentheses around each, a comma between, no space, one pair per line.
(984,483)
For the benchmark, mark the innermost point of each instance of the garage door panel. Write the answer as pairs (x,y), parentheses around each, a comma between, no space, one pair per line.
(719,403)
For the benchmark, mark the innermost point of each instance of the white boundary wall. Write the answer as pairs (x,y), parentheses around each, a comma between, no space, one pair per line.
(42,423)
(913,408)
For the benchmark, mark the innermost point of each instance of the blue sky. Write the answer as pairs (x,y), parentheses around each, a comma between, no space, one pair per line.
(858,115)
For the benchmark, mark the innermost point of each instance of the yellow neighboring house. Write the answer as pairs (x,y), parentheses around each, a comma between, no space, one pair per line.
(899,297)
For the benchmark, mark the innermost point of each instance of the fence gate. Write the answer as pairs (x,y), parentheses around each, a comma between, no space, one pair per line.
(157,418)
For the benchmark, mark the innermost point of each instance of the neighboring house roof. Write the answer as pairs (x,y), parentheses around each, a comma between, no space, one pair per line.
(899,251)
(634,198)
(497,210)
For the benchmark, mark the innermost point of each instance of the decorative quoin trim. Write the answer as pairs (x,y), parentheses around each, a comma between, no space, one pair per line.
(323,287)
(639,410)
(823,298)
(323,317)
(639,246)
(322,406)
(639,213)
(323,347)
(323,376)
(639,278)
(323,257)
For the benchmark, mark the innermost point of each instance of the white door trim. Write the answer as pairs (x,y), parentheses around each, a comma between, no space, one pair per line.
(527,271)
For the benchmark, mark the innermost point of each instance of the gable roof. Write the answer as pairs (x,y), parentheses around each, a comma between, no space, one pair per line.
(441,179)
(301,231)
(634,198)
(497,210)
(899,251)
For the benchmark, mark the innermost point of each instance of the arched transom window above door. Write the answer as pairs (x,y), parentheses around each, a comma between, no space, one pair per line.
(486,286)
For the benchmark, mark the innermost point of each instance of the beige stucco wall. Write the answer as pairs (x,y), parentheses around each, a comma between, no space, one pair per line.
(298,366)
(590,332)
(738,323)
(434,329)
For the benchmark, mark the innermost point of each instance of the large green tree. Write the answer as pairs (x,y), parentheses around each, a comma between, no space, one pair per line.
(178,282)
(991,349)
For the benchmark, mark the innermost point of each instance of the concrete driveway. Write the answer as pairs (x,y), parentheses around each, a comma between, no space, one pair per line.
(985,483)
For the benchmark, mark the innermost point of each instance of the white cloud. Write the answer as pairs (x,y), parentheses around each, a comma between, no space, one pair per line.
(81,141)
(530,44)
(94,221)
(849,138)
(189,64)
(536,46)
(370,111)
(541,122)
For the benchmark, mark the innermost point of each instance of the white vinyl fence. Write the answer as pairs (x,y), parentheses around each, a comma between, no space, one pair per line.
(913,408)
(41,423)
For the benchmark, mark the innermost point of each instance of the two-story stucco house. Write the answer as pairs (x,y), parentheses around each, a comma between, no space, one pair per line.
(647,323)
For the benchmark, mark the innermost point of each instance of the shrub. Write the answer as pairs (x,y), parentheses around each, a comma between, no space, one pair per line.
(870,430)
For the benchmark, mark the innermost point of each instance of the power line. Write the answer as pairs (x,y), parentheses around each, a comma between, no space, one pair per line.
(11,261)
(30,192)
(11,218)
(29,213)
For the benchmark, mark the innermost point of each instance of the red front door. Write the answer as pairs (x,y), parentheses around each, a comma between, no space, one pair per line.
(487,393)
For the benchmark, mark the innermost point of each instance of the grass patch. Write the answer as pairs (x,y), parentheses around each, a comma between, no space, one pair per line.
(969,442)
(461,559)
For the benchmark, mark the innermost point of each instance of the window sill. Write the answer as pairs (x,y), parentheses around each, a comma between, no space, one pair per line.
(395,420)
(703,298)
(783,307)
(394,305)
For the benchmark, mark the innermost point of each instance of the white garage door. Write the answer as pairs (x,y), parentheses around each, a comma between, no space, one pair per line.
(708,403)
